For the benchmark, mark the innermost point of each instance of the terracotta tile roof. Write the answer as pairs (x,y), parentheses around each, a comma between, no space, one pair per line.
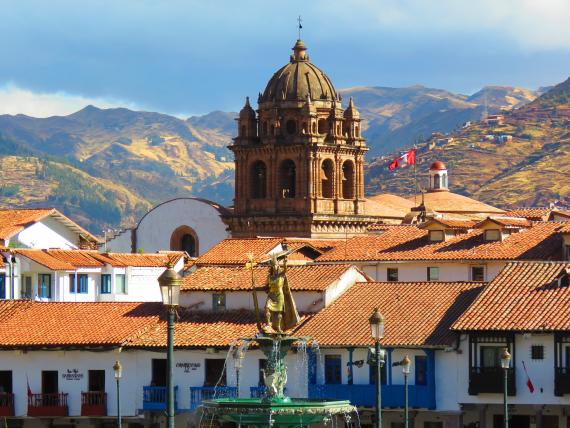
(416,313)
(13,221)
(534,214)
(140,260)
(563,213)
(523,297)
(507,222)
(200,329)
(231,278)
(542,241)
(36,324)
(45,259)
(451,223)
(449,202)
(72,259)
(234,251)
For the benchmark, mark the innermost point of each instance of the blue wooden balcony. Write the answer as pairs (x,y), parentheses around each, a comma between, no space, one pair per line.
(419,396)
(200,393)
(154,398)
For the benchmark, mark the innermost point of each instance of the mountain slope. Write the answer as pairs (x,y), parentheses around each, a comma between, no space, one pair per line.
(531,169)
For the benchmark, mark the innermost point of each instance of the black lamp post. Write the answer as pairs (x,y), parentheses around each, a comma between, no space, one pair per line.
(406,363)
(505,363)
(376,321)
(170,283)
(118,369)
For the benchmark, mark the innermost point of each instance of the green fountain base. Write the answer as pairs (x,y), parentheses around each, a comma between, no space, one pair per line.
(281,412)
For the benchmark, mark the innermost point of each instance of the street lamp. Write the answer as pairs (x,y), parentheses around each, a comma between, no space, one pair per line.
(118,369)
(170,283)
(238,364)
(406,363)
(505,363)
(376,321)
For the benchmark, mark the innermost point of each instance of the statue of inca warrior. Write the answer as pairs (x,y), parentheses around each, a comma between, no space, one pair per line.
(280,309)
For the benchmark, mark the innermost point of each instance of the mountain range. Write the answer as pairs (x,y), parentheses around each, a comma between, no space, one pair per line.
(523,162)
(106,167)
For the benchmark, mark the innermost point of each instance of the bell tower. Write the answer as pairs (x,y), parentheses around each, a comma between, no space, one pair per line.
(299,162)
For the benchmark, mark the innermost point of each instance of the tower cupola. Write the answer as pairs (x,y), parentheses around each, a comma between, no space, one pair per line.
(438,177)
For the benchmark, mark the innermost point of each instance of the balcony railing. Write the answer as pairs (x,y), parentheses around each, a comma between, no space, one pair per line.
(490,380)
(200,393)
(94,403)
(6,404)
(419,396)
(54,404)
(154,397)
(562,381)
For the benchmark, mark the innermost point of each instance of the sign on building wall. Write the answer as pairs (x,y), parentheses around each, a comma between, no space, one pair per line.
(188,366)
(72,374)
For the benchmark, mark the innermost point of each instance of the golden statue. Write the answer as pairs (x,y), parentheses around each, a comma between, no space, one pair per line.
(280,309)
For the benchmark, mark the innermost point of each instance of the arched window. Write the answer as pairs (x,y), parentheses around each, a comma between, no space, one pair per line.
(184,238)
(348,180)
(287,176)
(323,126)
(291,127)
(258,180)
(436,181)
(327,178)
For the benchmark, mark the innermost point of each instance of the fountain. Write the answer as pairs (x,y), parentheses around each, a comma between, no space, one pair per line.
(275,409)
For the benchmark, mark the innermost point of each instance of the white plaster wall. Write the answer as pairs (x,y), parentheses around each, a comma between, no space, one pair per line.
(122,243)
(306,301)
(48,233)
(347,280)
(156,227)
(541,373)
(416,271)
(137,372)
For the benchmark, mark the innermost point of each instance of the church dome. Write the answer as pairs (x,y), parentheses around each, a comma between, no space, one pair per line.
(437,166)
(299,80)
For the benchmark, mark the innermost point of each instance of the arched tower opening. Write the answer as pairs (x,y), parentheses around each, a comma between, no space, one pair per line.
(258,180)
(327,178)
(184,238)
(287,179)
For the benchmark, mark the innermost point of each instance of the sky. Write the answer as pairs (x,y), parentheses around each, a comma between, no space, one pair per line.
(186,57)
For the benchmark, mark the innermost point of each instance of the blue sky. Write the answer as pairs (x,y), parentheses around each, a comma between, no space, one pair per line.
(188,57)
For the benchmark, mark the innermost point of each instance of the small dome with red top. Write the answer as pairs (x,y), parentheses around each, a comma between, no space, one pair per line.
(437,166)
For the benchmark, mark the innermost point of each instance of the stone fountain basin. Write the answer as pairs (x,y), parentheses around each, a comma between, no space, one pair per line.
(282,412)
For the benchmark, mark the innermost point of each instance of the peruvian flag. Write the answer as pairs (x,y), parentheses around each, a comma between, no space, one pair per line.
(529,384)
(408,158)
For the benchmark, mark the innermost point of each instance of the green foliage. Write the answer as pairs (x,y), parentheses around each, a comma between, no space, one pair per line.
(73,189)
(8,190)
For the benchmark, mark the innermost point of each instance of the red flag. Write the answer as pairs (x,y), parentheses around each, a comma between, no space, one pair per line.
(411,157)
(408,158)
(529,384)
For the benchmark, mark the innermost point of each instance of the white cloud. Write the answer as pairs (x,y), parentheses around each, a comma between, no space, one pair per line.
(531,24)
(16,100)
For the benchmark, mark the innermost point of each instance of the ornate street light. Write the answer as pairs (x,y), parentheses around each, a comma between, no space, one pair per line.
(118,369)
(238,364)
(376,321)
(406,363)
(170,282)
(505,364)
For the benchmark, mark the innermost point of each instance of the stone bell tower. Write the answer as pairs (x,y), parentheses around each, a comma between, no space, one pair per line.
(299,161)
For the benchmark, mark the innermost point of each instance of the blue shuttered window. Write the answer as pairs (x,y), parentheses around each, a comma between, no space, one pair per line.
(105,283)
